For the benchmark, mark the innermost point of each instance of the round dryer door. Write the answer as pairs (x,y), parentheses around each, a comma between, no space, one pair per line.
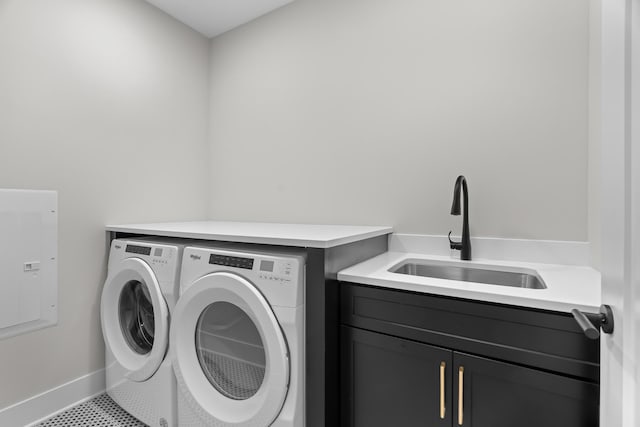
(229,353)
(135,319)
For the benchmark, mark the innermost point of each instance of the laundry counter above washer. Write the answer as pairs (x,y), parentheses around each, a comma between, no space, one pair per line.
(298,235)
(328,249)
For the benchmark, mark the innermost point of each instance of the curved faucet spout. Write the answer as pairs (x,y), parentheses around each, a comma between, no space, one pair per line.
(465,245)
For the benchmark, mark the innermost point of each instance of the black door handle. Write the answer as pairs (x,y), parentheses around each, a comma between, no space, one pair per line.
(604,321)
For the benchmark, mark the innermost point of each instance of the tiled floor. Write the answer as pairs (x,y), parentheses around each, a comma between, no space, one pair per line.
(100,411)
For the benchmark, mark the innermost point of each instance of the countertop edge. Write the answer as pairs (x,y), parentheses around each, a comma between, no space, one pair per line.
(282,241)
(373,272)
(471,296)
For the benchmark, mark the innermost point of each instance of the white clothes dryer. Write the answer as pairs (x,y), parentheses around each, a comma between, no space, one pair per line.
(139,294)
(238,338)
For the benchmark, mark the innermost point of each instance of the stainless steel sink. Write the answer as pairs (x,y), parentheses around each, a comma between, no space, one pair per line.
(476,274)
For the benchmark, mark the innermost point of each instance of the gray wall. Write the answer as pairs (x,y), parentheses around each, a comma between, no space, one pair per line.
(106,102)
(365,111)
(595,130)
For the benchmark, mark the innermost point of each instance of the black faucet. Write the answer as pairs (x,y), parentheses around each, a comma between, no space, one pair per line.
(465,245)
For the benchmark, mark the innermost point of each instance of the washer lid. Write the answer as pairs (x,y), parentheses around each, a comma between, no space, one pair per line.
(135,318)
(229,353)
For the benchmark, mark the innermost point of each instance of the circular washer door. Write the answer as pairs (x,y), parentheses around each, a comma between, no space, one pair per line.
(135,319)
(228,352)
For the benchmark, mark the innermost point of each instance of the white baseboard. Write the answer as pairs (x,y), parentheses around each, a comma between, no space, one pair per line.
(51,402)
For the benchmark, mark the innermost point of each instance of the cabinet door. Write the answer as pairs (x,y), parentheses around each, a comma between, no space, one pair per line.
(388,381)
(497,394)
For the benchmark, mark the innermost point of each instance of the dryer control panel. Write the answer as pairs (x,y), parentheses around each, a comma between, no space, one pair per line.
(279,274)
(275,270)
(231,261)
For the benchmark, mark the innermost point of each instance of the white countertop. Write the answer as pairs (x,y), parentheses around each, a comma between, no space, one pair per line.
(568,286)
(299,235)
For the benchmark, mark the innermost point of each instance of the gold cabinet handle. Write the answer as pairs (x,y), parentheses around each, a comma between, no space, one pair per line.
(442,407)
(460,395)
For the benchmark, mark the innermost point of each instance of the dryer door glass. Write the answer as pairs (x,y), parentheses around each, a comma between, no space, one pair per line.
(230,350)
(136,316)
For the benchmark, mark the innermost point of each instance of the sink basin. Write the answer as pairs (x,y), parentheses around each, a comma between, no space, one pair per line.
(477,274)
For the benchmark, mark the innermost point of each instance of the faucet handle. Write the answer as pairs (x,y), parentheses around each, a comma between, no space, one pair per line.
(454,245)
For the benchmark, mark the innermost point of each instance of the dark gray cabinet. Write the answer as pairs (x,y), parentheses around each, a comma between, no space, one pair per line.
(394,382)
(403,365)
(498,394)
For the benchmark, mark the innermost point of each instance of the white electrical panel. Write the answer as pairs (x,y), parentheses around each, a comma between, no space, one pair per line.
(28,260)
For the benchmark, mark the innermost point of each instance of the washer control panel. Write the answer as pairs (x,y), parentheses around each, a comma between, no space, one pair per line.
(156,255)
(163,258)
(138,249)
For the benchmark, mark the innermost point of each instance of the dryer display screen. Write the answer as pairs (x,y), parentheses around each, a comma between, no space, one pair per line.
(142,250)
(266,266)
(231,261)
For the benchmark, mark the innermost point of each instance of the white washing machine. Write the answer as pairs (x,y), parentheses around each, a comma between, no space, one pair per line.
(138,297)
(237,338)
